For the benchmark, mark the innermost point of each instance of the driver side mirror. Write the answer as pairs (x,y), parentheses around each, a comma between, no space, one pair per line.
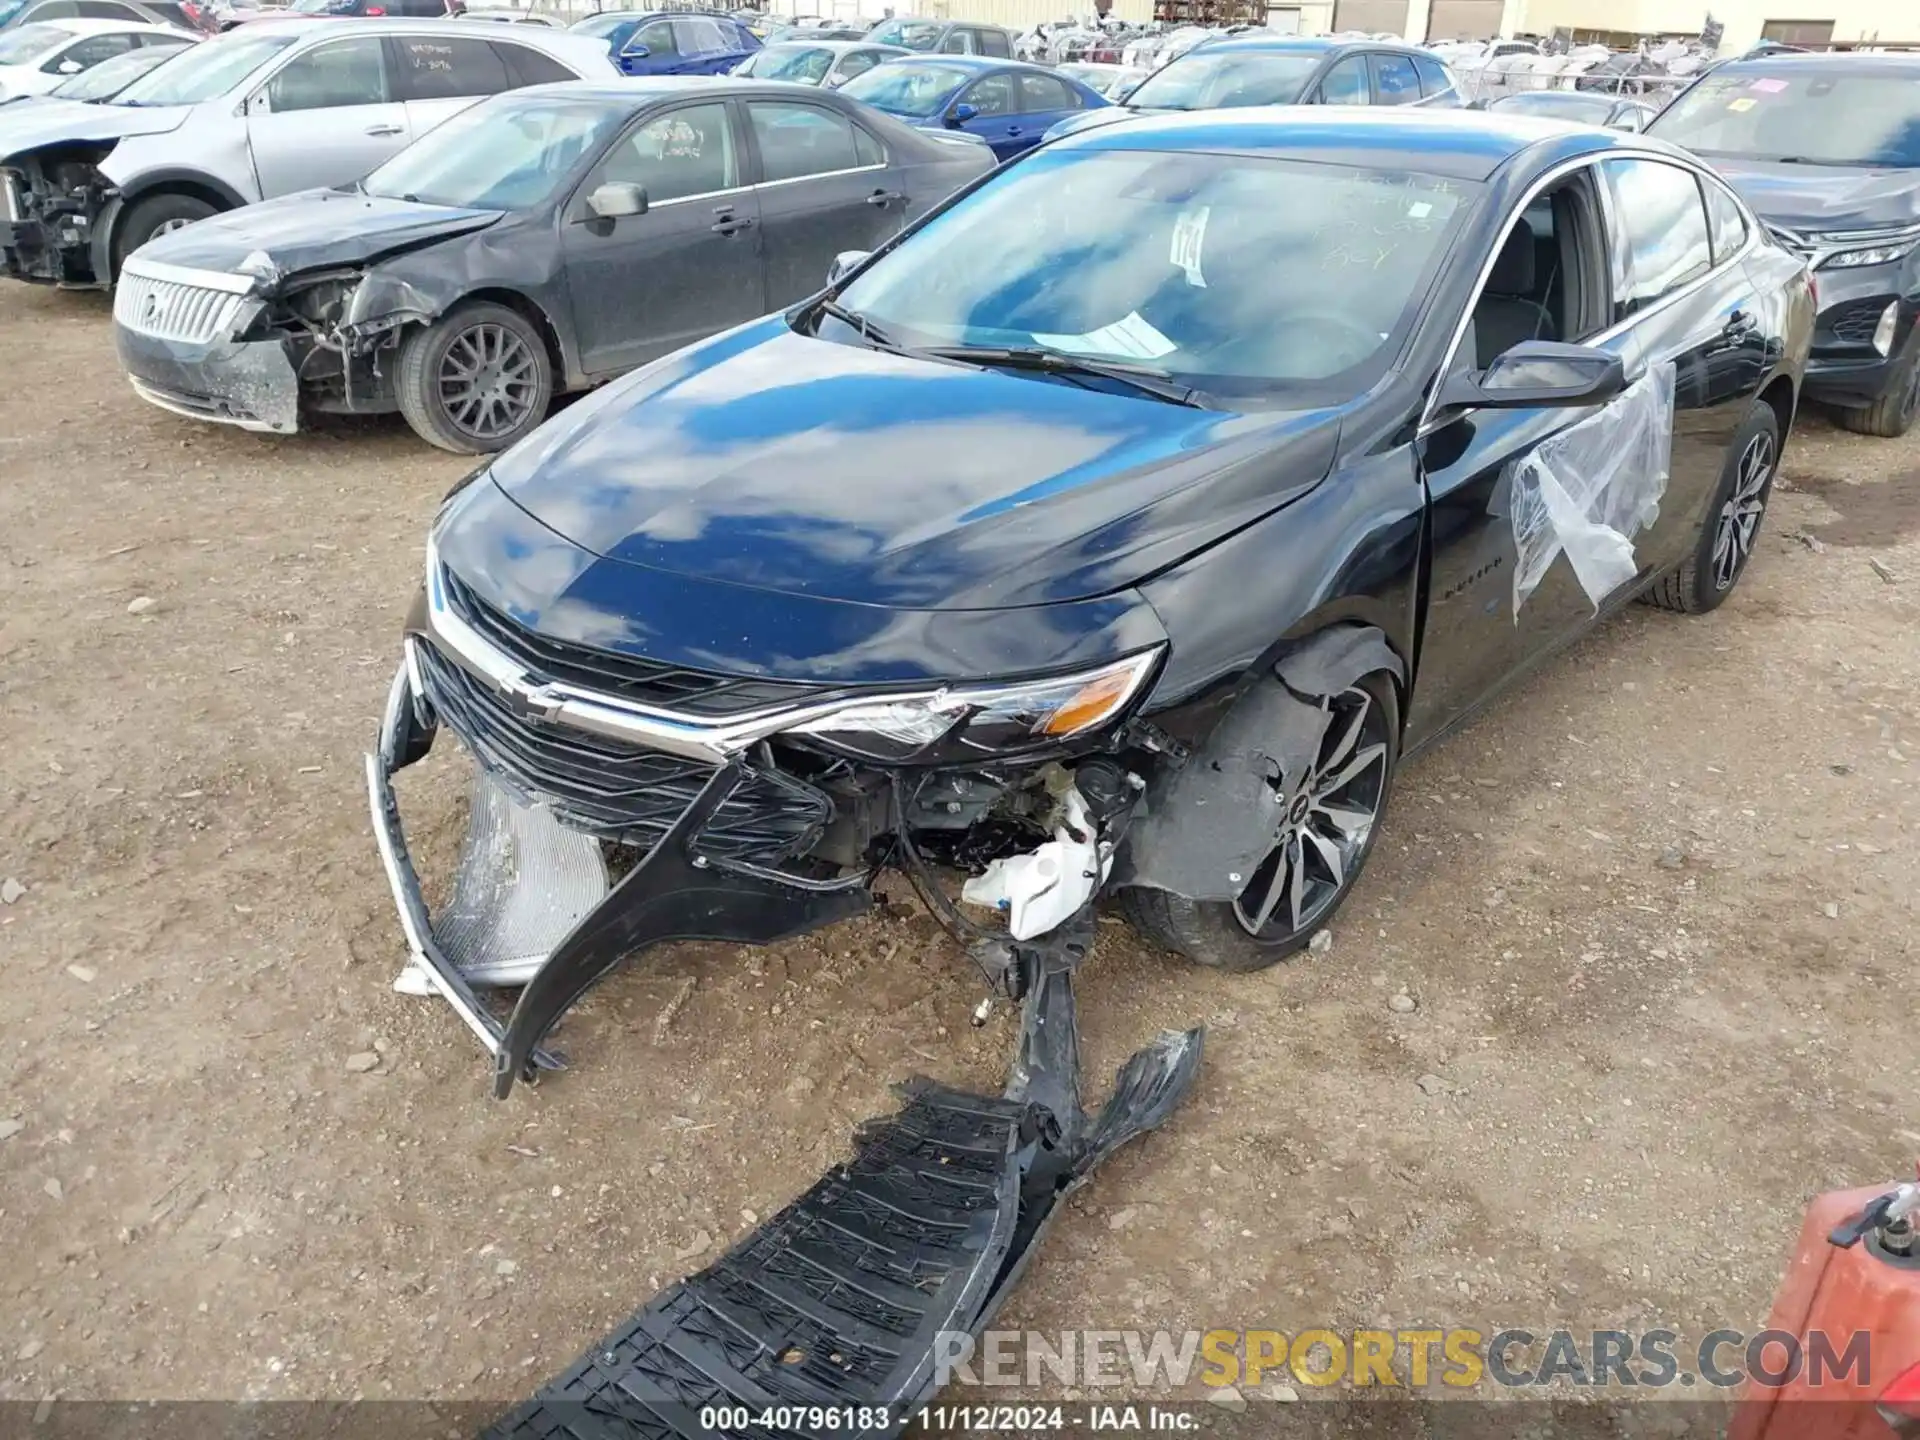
(961,113)
(844,264)
(71,67)
(1538,374)
(617,199)
(1632,121)
(636,52)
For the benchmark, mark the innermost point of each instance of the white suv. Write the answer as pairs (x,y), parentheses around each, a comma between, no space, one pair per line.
(274,107)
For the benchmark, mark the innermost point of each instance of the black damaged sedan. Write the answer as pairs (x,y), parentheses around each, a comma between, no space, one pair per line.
(542,241)
(1117,532)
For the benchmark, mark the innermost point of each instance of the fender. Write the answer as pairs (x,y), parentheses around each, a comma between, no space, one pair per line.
(108,221)
(1203,827)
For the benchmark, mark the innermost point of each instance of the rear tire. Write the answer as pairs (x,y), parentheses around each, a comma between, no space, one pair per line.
(1220,933)
(477,380)
(155,215)
(1892,415)
(1732,525)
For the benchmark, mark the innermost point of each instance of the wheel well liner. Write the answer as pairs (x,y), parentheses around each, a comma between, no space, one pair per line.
(1782,398)
(1202,827)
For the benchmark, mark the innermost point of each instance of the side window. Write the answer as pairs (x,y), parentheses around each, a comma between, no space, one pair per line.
(1728,224)
(797,140)
(958,42)
(857,62)
(55,10)
(345,72)
(1395,81)
(436,69)
(657,37)
(1039,93)
(1665,240)
(685,152)
(1435,79)
(107,10)
(1345,83)
(992,95)
(870,151)
(695,36)
(532,67)
(92,51)
(994,43)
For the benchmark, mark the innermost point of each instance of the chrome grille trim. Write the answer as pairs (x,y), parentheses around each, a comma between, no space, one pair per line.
(170,309)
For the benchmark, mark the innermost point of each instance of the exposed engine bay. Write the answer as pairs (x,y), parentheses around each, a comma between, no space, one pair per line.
(59,211)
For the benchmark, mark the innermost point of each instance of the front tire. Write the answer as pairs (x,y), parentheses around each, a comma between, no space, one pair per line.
(155,215)
(1327,823)
(1893,414)
(475,381)
(1727,535)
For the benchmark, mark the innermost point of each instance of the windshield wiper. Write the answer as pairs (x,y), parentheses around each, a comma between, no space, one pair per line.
(1147,379)
(860,324)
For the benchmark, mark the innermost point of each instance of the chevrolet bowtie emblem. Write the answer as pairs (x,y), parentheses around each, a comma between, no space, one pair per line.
(532,704)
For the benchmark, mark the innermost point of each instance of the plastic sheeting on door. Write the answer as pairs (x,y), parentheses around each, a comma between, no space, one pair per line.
(1589,490)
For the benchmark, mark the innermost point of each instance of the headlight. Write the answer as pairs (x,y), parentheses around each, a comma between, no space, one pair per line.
(980,721)
(1873,255)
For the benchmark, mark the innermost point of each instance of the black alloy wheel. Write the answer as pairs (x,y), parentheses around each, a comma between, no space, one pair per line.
(1725,544)
(1325,822)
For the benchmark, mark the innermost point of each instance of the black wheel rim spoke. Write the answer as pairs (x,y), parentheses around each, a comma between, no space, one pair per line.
(1325,819)
(1739,518)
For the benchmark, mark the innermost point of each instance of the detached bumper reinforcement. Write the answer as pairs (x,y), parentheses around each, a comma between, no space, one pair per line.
(841,1300)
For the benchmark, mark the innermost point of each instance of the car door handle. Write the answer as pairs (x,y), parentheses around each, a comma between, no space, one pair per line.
(1013,129)
(880,199)
(383,129)
(727,223)
(1739,325)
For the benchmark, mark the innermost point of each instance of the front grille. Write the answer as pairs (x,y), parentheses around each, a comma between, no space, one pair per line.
(643,682)
(615,790)
(170,310)
(1855,320)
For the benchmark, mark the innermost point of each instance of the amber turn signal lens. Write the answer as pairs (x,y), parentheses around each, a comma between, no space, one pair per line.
(1089,705)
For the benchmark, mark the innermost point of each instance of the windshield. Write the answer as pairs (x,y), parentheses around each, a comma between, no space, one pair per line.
(1272,280)
(808,63)
(907,87)
(599,27)
(110,77)
(913,34)
(213,67)
(509,153)
(30,42)
(1820,117)
(1560,105)
(319,7)
(1216,80)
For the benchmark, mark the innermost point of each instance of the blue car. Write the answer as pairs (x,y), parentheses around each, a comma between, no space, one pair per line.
(1009,105)
(650,43)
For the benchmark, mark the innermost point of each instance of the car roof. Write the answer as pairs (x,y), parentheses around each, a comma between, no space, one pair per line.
(315,26)
(1321,44)
(973,62)
(1458,144)
(1899,64)
(839,47)
(78,27)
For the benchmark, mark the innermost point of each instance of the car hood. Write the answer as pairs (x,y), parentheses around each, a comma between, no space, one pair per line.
(1825,197)
(777,461)
(310,230)
(29,127)
(1094,119)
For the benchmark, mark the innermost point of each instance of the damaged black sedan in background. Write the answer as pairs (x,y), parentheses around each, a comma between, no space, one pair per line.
(1115,532)
(542,241)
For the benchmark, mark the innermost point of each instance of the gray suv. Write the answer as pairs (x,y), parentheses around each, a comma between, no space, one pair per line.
(272,108)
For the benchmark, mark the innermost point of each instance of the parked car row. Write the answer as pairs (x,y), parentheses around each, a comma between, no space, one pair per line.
(283,108)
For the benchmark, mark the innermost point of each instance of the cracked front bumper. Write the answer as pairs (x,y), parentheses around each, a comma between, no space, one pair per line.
(677,891)
(251,384)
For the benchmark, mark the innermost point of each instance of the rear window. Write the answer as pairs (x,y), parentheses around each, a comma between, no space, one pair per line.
(1798,114)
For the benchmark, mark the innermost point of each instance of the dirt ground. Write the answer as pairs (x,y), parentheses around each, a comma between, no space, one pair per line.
(1656,914)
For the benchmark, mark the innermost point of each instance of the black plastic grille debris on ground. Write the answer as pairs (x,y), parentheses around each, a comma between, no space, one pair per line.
(833,1302)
